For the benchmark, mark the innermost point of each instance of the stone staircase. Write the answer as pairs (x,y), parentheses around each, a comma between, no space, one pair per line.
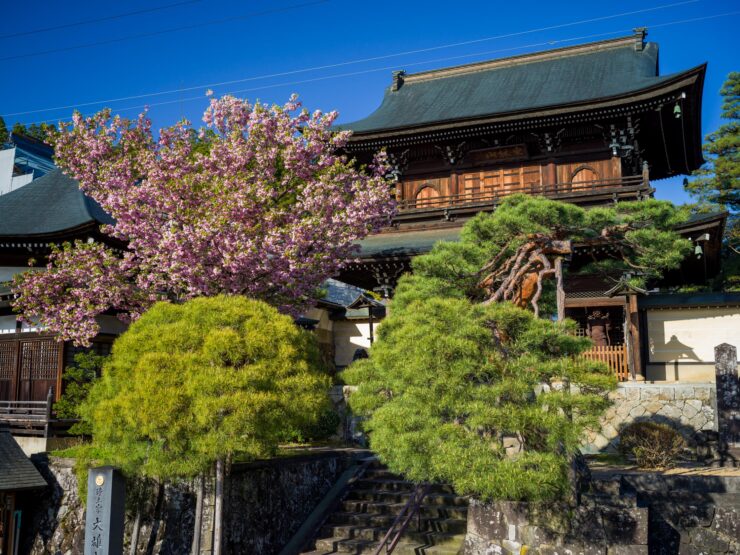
(370,506)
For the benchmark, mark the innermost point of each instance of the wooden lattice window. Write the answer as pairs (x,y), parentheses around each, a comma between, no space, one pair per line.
(40,360)
(7,359)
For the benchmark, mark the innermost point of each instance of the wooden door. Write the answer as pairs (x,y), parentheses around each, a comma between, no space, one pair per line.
(427,196)
(39,368)
(8,370)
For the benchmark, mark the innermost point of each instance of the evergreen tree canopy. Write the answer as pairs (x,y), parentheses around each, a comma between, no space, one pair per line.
(497,251)
(718,182)
(449,385)
(456,381)
(210,379)
(4,135)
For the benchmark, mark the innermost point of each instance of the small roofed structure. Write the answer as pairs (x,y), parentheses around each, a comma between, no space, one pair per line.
(47,211)
(18,475)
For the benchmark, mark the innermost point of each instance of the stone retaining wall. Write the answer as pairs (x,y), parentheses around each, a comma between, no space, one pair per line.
(688,408)
(265,504)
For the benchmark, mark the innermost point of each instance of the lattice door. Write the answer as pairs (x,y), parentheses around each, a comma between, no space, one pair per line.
(8,369)
(39,368)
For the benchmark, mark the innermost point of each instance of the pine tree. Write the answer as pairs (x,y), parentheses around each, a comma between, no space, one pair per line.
(4,135)
(718,182)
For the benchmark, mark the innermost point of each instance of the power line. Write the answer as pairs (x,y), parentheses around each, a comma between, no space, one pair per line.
(165,31)
(418,63)
(350,62)
(97,20)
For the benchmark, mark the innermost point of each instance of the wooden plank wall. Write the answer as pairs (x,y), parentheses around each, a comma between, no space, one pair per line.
(508,178)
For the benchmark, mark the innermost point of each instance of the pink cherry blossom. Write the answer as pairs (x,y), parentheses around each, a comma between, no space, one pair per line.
(260,202)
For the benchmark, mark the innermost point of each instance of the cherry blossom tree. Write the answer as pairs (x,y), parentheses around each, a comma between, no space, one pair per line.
(259,202)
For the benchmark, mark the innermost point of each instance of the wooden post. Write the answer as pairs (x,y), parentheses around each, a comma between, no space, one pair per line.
(728,397)
(218,508)
(634,331)
(551,176)
(195,546)
(135,533)
(560,293)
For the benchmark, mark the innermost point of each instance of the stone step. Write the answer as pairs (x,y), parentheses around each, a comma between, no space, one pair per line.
(396,484)
(383,520)
(402,497)
(376,530)
(411,543)
(379,507)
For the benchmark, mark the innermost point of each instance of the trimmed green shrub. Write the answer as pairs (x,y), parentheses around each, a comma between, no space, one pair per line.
(652,445)
(78,380)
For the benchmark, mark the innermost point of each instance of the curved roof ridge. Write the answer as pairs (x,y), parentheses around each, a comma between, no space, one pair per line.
(635,40)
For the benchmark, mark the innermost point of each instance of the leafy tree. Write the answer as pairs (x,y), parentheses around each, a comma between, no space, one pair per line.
(485,397)
(79,379)
(211,378)
(207,381)
(4,135)
(718,182)
(261,204)
(38,131)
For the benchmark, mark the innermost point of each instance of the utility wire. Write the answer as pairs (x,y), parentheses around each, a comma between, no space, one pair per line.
(346,63)
(97,20)
(164,31)
(412,64)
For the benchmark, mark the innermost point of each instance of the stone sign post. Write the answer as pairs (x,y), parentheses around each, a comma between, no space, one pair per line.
(728,395)
(106,492)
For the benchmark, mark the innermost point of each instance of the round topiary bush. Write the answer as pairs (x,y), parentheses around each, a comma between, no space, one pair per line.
(651,444)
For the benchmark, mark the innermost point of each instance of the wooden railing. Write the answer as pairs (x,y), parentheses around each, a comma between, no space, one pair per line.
(28,417)
(493,195)
(614,355)
(402,520)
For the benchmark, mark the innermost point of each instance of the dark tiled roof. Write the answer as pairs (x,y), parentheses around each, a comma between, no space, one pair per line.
(344,295)
(558,77)
(404,244)
(17,472)
(50,204)
(669,300)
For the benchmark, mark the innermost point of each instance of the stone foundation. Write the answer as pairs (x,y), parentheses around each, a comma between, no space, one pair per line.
(630,514)
(690,409)
(265,504)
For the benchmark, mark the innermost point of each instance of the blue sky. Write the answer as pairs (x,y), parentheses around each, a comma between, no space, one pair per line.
(197,43)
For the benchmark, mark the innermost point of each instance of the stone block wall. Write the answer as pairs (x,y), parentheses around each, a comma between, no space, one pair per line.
(591,528)
(265,504)
(689,409)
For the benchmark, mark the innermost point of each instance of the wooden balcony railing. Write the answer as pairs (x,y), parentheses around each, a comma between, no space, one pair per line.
(614,355)
(31,417)
(493,195)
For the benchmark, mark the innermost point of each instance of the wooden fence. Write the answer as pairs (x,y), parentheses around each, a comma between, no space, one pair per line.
(614,355)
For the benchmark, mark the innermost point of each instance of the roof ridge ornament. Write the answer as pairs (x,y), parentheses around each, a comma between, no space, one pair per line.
(640,34)
(398,79)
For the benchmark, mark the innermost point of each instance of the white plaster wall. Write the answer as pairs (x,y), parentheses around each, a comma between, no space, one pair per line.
(690,335)
(7,324)
(682,341)
(7,157)
(350,335)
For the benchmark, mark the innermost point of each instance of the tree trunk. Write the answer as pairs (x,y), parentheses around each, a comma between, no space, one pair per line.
(135,532)
(560,291)
(195,548)
(218,507)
